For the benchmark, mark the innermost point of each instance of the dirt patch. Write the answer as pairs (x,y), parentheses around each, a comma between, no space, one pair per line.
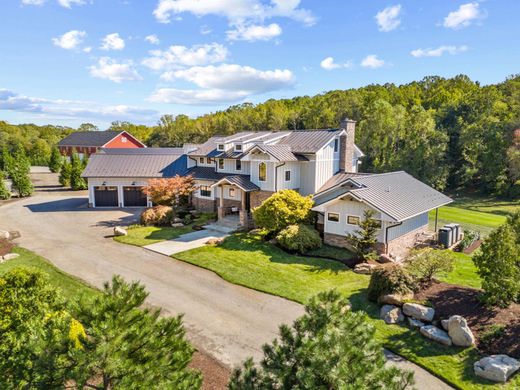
(5,247)
(215,375)
(497,330)
(473,247)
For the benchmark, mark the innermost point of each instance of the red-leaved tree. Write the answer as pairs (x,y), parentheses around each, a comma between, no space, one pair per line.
(168,192)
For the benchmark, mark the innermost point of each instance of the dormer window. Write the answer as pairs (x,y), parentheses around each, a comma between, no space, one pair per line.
(220,163)
(238,148)
(220,146)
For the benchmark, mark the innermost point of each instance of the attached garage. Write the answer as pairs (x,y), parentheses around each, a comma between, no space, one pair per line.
(106,196)
(133,196)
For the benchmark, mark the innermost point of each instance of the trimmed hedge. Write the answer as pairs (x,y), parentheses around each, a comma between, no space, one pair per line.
(299,238)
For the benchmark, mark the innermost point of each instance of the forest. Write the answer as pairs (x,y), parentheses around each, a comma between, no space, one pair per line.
(452,133)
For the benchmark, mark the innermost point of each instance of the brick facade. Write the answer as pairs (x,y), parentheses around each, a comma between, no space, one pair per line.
(204,205)
(257,197)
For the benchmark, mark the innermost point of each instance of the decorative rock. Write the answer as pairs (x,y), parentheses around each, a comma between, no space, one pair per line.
(497,368)
(391,314)
(384,258)
(419,312)
(365,268)
(395,299)
(415,324)
(119,231)
(460,332)
(5,235)
(177,220)
(177,224)
(444,324)
(433,333)
(214,241)
(10,256)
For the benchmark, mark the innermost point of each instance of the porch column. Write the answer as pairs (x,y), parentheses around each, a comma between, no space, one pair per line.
(243,213)
(221,210)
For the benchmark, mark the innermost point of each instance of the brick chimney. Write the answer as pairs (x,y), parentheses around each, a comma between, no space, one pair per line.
(346,144)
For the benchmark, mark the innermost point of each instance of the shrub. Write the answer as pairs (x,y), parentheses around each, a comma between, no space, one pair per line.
(470,236)
(55,160)
(65,172)
(157,216)
(4,191)
(299,238)
(364,239)
(187,219)
(391,279)
(425,264)
(283,208)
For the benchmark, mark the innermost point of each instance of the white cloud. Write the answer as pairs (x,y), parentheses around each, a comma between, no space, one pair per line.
(205,30)
(109,69)
(254,32)
(112,42)
(372,61)
(222,84)
(464,16)
(87,49)
(329,64)
(388,19)
(70,40)
(236,11)
(68,3)
(12,101)
(178,56)
(439,51)
(33,2)
(152,39)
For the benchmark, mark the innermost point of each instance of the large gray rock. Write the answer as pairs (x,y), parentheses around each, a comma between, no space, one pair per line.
(415,324)
(365,268)
(5,235)
(459,331)
(444,324)
(496,368)
(10,256)
(391,314)
(419,312)
(395,299)
(433,333)
(119,231)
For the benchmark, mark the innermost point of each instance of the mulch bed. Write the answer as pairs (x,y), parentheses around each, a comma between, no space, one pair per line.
(449,299)
(215,375)
(473,247)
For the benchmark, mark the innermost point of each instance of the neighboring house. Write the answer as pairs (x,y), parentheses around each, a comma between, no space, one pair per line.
(86,143)
(401,203)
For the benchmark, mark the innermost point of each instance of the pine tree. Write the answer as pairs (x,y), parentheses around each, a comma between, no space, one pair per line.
(330,347)
(76,181)
(364,239)
(4,191)
(19,169)
(65,172)
(55,160)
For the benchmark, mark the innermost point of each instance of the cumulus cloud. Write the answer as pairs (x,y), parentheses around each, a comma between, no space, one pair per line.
(70,40)
(178,56)
(222,84)
(372,61)
(388,19)
(152,39)
(112,42)
(329,64)
(13,101)
(109,69)
(69,3)
(463,16)
(33,2)
(439,51)
(254,32)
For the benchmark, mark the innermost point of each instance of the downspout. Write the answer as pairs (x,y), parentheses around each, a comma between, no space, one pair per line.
(386,234)
(276,176)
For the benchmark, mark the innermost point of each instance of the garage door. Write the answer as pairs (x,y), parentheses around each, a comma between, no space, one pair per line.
(106,196)
(134,197)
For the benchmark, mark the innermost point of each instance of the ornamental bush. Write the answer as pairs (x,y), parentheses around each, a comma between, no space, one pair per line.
(391,279)
(55,160)
(283,208)
(299,238)
(4,191)
(157,216)
(65,172)
(428,263)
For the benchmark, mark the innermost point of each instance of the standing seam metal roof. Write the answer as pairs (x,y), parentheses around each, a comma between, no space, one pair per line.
(89,138)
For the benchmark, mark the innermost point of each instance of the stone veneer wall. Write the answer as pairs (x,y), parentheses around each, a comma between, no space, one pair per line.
(257,197)
(204,205)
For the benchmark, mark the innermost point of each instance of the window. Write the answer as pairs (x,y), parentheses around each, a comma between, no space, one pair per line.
(238,165)
(262,171)
(333,217)
(231,192)
(208,160)
(205,191)
(238,148)
(287,175)
(201,160)
(352,220)
(124,139)
(336,145)
(220,146)
(379,223)
(220,163)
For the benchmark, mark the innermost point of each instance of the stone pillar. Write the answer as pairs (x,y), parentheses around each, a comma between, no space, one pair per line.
(346,145)
(221,211)
(243,213)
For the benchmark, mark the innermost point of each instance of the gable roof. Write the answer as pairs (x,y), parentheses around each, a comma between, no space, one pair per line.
(89,138)
(397,194)
(309,141)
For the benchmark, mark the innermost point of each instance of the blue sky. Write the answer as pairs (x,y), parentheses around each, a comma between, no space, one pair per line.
(73,61)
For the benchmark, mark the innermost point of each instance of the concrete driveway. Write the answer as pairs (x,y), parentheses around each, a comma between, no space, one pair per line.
(227,321)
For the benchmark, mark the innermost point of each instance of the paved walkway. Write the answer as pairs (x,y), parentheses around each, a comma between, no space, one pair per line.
(185,242)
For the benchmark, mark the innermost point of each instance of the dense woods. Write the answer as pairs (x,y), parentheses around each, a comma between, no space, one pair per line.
(451,133)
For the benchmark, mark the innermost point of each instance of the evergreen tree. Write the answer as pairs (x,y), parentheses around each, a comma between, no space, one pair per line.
(76,169)
(329,347)
(364,239)
(55,160)
(4,191)
(65,172)
(129,347)
(19,172)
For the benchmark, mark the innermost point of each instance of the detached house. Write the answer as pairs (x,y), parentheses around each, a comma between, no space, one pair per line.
(86,143)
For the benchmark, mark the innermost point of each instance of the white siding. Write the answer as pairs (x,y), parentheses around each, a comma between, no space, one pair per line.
(114,182)
(408,226)
(230,167)
(199,183)
(294,183)
(327,164)
(256,159)
(307,177)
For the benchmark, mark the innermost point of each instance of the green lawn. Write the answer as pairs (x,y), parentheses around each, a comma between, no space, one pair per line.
(331,252)
(246,260)
(69,285)
(464,272)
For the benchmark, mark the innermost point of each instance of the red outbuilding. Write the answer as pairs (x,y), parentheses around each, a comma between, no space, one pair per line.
(86,143)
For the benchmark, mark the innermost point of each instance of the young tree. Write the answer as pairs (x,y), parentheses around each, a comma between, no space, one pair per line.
(283,208)
(364,239)
(55,160)
(4,191)
(65,173)
(130,347)
(428,263)
(19,173)
(168,192)
(77,183)
(329,347)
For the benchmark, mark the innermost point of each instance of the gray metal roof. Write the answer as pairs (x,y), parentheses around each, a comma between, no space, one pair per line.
(280,152)
(241,181)
(308,141)
(397,194)
(135,165)
(338,178)
(208,173)
(172,151)
(89,138)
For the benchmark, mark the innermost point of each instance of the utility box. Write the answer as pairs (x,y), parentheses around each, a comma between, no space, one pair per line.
(455,232)
(445,237)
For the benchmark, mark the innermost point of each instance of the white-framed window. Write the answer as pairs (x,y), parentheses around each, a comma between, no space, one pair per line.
(205,191)
(208,160)
(201,160)
(333,217)
(287,175)
(353,219)
(220,163)
(238,165)
(220,146)
(336,145)
(231,192)
(238,148)
(262,171)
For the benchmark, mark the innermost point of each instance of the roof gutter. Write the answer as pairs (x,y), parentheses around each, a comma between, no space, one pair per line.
(386,234)
(276,176)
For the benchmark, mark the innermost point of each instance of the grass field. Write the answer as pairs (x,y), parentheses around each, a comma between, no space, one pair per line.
(464,272)
(246,260)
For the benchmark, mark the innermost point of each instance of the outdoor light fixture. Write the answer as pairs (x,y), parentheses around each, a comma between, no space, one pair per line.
(104,183)
(134,183)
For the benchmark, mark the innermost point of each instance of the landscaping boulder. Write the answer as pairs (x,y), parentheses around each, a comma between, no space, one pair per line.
(444,324)
(395,299)
(5,235)
(365,268)
(419,312)
(119,231)
(433,333)
(496,368)
(415,324)
(460,332)
(214,241)
(391,314)
(10,256)
(384,258)
(177,224)
(176,220)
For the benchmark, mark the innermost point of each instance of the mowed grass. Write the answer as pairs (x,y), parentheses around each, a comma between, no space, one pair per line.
(464,272)
(248,261)
(70,286)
